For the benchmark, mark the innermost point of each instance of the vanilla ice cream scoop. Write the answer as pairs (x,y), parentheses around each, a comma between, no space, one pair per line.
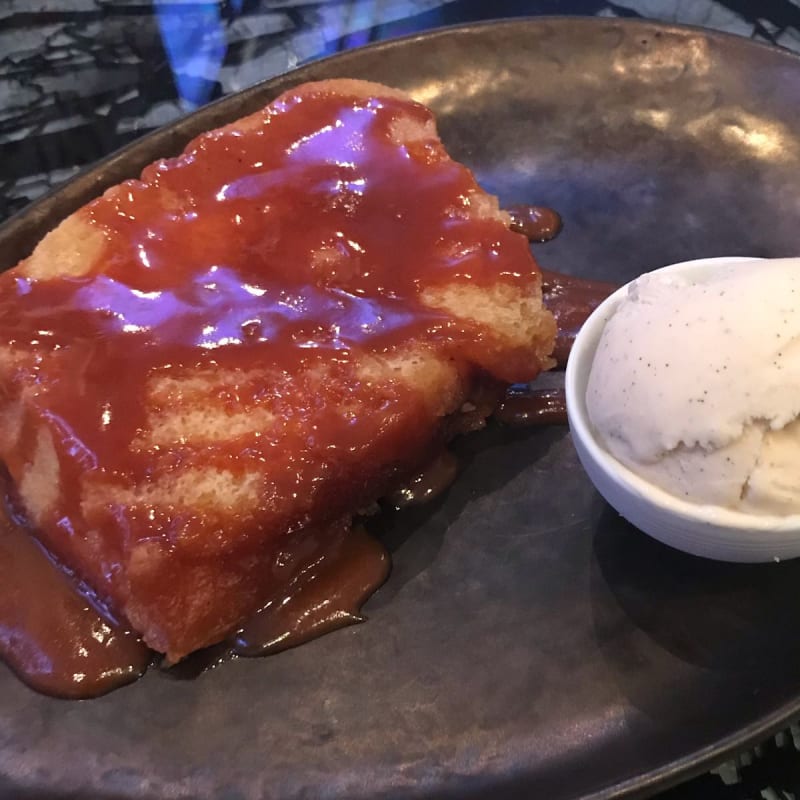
(695,384)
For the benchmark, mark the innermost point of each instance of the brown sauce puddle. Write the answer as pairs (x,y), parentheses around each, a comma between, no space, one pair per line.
(53,637)
(537,223)
(326,593)
(526,406)
(571,300)
(59,642)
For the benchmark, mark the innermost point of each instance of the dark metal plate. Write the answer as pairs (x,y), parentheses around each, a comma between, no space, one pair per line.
(529,643)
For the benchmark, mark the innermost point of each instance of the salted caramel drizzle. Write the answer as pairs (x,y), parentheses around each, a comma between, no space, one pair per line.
(62,642)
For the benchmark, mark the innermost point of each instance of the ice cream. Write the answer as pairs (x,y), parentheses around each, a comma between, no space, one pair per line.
(695,384)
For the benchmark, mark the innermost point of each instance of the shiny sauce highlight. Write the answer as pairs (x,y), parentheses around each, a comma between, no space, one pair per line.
(326,592)
(535,223)
(51,634)
(526,405)
(210,263)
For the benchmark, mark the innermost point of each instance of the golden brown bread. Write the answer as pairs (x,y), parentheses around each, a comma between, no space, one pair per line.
(170,471)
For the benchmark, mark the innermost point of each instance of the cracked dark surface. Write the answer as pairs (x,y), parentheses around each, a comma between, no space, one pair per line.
(81,78)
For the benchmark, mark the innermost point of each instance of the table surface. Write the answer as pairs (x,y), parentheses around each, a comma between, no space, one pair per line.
(81,78)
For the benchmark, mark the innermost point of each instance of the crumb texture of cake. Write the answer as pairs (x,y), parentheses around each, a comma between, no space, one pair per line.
(209,365)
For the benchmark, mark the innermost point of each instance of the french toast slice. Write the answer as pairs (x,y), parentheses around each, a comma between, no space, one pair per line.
(207,368)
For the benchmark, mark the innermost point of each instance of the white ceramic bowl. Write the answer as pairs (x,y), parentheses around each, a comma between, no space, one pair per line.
(702,530)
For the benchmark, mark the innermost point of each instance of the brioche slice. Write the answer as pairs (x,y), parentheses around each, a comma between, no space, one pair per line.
(205,367)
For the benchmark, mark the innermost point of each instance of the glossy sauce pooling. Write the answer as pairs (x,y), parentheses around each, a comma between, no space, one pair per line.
(58,643)
(210,264)
(333,578)
(535,223)
(571,300)
(527,405)
(52,636)
(427,484)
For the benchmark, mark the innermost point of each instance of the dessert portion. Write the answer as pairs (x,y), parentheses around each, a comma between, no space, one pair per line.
(694,384)
(206,371)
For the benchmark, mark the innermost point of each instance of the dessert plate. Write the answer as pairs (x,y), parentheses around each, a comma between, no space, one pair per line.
(529,643)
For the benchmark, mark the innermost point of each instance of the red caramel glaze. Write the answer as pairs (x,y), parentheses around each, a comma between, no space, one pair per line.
(526,406)
(51,635)
(208,283)
(536,223)
(332,579)
(571,300)
(427,484)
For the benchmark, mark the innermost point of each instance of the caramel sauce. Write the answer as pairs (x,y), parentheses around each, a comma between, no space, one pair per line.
(536,223)
(571,300)
(427,484)
(211,263)
(204,282)
(333,575)
(60,643)
(53,636)
(526,405)
(329,586)
(77,652)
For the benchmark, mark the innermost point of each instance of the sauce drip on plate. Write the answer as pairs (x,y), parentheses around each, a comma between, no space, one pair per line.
(525,405)
(536,223)
(571,300)
(61,643)
(51,635)
(327,591)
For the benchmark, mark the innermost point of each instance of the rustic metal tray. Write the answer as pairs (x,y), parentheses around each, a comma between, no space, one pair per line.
(529,643)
